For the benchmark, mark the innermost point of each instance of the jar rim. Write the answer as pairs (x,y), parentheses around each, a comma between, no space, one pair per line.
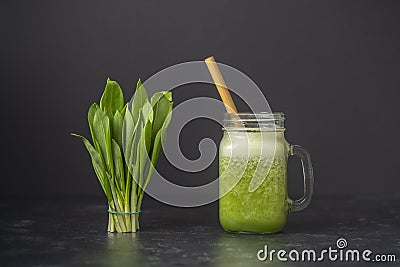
(262,121)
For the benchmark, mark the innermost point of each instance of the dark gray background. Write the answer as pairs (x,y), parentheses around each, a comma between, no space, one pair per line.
(331,66)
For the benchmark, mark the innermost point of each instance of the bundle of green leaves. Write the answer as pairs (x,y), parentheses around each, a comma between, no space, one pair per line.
(126,144)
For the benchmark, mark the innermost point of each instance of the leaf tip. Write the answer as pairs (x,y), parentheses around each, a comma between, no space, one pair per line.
(168,95)
(138,84)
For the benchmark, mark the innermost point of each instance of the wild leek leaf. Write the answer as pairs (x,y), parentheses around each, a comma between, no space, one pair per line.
(112,99)
(92,111)
(162,107)
(147,132)
(101,133)
(139,99)
(118,164)
(117,123)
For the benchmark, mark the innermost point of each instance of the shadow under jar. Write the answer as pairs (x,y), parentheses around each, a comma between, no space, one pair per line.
(253,158)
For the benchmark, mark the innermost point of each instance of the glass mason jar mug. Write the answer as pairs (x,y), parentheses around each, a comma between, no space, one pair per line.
(253,158)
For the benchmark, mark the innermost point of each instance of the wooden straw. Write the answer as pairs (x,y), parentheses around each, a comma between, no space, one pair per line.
(220,84)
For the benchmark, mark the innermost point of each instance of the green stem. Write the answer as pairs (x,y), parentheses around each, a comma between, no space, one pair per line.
(112,224)
(115,219)
(128,218)
(109,223)
(119,217)
(133,207)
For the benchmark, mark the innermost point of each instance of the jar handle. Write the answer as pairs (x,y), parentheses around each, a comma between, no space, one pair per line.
(308,176)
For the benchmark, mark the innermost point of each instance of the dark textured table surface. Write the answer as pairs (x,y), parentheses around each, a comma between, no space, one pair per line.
(72,232)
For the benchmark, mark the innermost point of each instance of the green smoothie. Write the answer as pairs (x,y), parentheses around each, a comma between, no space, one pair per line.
(263,210)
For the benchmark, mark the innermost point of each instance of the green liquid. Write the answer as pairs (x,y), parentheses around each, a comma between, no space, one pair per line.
(261,211)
